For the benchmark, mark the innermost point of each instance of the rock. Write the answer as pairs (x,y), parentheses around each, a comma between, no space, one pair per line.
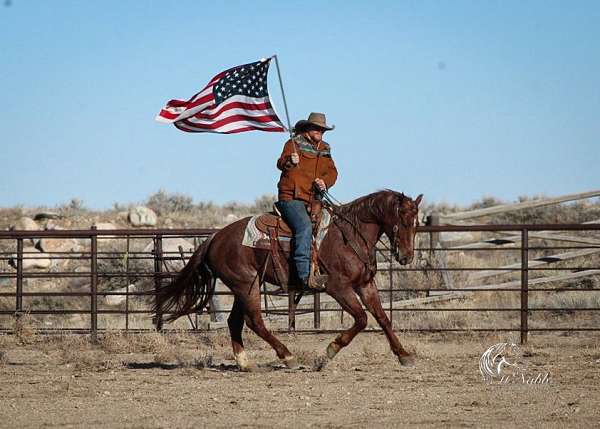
(47,215)
(230,218)
(108,242)
(171,254)
(142,216)
(51,226)
(58,245)
(105,225)
(32,258)
(26,224)
(171,245)
(119,299)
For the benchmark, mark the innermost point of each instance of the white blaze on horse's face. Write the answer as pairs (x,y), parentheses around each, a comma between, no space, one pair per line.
(403,246)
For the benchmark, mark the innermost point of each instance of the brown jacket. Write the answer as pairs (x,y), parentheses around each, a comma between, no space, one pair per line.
(296,181)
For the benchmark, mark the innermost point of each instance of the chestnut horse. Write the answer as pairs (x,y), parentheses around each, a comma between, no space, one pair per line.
(347,255)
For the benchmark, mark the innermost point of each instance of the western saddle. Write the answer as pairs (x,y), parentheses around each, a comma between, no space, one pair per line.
(275,227)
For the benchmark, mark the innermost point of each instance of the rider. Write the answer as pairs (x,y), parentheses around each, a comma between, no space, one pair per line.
(306,170)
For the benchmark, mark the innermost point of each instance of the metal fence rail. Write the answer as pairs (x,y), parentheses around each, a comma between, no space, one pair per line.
(107,258)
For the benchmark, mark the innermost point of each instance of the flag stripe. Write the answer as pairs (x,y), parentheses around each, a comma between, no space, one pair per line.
(179,109)
(211,124)
(231,112)
(278,129)
(230,129)
(237,102)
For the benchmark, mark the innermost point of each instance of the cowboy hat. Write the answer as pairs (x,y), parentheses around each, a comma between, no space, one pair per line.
(314,120)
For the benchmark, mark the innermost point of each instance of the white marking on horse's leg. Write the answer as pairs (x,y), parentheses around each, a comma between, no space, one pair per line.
(242,360)
(332,349)
(407,360)
(291,362)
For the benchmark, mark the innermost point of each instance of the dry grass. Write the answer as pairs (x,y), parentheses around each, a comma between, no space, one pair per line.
(24,330)
(89,360)
(116,349)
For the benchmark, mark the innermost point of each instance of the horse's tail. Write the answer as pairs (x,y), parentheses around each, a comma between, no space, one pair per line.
(191,289)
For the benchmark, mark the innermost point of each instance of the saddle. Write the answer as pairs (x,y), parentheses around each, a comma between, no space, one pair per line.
(274,226)
(273,220)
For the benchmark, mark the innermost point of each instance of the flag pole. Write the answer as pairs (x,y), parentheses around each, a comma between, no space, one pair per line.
(287,115)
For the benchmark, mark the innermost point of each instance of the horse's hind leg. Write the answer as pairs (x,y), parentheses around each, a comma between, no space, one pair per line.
(370,297)
(350,303)
(236,325)
(255,322)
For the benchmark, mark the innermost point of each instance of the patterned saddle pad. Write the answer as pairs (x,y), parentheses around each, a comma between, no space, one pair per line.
(254,237)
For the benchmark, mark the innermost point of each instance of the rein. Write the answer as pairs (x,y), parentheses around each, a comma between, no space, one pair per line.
(334,206)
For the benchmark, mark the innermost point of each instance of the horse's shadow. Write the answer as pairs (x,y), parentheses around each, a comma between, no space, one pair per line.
(217,366)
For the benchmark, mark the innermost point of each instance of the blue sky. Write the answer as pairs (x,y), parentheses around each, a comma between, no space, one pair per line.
(456,100)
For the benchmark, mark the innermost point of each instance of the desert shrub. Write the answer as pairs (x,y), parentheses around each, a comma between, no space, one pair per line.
(485,202)
(264,203)
(163,202)
(75,207)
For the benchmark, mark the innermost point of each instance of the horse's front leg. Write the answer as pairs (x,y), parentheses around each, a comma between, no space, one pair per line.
(349,302)
(370,298)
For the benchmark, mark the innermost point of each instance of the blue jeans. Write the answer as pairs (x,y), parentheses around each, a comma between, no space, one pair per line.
(295,214)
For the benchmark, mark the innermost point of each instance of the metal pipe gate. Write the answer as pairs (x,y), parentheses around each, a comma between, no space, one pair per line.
(16,279)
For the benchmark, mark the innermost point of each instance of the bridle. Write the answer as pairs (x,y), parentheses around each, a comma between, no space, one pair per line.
(334,206)
(394,241)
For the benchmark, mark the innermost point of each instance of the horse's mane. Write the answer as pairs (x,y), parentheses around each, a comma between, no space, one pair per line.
(378,201)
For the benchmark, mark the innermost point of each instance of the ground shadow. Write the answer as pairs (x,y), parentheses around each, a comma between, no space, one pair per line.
(216,366)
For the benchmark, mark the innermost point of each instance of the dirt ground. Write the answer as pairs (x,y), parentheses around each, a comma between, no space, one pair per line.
(177,380)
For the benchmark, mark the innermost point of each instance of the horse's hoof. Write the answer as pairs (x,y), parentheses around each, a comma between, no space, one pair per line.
(407,360)
(251,367)
(332,350)
(244,364)
(291,362)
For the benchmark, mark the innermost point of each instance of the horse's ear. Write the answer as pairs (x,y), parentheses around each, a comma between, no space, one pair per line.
(418,200)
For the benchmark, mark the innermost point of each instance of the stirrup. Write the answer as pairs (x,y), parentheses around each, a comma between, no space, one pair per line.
(317,282)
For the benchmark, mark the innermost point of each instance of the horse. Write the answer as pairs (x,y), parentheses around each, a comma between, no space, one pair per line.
(346,255)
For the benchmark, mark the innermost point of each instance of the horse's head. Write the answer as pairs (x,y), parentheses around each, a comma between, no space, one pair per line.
(401,225)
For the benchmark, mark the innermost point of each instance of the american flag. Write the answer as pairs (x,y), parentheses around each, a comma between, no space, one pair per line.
(234,101)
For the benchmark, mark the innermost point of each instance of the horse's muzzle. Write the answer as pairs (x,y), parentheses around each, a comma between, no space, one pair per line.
(402,259)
